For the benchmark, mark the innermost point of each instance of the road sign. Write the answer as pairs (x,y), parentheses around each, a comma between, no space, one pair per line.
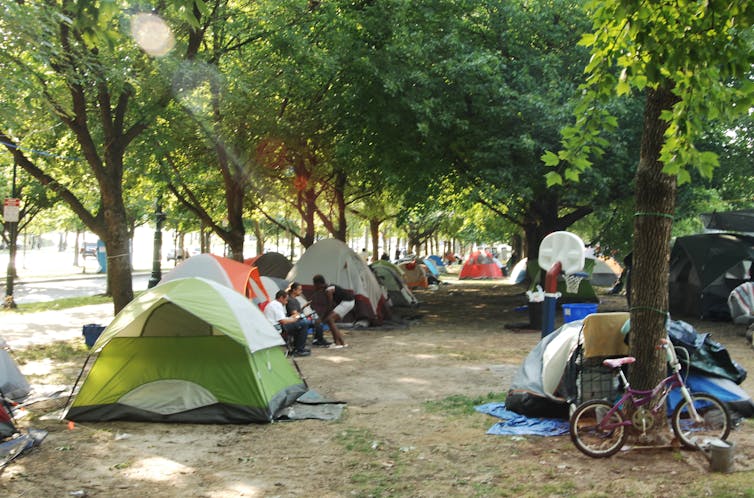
(11,208)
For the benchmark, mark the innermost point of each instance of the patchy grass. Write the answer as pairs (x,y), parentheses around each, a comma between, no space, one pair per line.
(62,304)
(59,351)
(459,405)
(382,474)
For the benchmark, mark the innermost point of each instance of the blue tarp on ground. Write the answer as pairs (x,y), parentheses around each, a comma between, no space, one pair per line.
(515,424)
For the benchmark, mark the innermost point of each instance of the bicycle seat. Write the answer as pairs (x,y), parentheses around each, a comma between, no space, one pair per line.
(618,362)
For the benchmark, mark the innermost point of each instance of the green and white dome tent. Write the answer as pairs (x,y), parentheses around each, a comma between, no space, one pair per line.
(189,350)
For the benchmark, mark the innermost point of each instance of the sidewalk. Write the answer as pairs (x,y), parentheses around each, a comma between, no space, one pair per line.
(21,330)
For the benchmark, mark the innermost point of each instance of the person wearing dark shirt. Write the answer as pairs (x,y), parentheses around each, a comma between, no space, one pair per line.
(336,303)
(295,307)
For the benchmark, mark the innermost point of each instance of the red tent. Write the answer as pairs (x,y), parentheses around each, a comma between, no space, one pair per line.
(480,265)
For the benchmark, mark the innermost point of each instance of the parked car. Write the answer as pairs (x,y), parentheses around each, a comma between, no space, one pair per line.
(88,249)
(174,254)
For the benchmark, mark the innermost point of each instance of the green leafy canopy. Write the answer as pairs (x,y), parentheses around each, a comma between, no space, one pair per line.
(701,49)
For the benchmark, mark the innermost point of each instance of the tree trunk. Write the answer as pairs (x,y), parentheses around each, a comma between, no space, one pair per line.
(374,230)
(114,232)
(259,236)
(341,230)
(653,221)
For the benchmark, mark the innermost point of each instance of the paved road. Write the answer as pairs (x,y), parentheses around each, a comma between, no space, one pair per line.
(47,274)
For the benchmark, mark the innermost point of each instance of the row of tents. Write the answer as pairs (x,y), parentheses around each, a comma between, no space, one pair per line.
(198,348)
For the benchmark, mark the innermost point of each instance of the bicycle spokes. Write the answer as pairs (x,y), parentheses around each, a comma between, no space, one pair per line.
(712,423)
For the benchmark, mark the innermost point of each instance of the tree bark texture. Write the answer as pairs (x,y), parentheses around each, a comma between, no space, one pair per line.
(653,221)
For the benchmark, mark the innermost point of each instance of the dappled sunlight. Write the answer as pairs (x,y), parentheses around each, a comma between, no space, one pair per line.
(425,356)
(156,469)
(40,367)
(338,359)
(238,489)
(414,380)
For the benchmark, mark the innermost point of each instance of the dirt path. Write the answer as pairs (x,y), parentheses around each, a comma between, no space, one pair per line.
(402,434)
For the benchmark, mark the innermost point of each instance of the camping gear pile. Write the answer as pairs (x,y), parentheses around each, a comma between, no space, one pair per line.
(14,389)
(564,368)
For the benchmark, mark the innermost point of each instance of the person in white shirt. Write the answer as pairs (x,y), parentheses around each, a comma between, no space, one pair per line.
(291,326)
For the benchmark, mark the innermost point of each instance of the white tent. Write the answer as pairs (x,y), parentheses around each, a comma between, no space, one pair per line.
(13,384)
(340,265)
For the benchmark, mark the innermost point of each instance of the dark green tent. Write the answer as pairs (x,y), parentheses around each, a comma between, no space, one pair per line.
(704,269)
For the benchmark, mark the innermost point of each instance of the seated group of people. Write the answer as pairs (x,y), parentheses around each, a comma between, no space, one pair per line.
(331,302)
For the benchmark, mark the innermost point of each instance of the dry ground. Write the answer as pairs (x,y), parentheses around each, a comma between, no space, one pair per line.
(404,432)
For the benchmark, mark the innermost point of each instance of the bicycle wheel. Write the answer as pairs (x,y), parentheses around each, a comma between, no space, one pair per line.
(595,435)
(714,423)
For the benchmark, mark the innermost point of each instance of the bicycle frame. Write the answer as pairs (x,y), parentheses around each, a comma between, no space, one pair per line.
(655,397)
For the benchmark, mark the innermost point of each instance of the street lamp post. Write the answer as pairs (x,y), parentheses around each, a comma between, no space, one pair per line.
(157,249)
(9,302)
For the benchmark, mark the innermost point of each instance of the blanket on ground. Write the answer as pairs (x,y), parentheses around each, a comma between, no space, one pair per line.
(515,424)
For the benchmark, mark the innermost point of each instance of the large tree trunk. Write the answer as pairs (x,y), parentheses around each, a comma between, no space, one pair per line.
(114,232)
(374,231)
(653,221)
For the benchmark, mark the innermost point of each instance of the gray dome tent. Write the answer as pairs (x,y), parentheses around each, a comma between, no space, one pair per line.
(271,264)
(704,269)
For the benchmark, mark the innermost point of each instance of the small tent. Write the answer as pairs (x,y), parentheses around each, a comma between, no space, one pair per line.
(432,269)
(439,263)
(389,275)
(704,270)
(13,384)
(480,265)
(741,304)
(414,274)
(228,272)
(605,272)
(188,350)
(584,293)
(272,285)
(340,265)
(271,264)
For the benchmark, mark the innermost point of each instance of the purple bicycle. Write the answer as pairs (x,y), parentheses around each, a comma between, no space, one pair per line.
(600,429)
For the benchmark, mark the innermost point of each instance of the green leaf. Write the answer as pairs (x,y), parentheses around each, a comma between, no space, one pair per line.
(572,174)
(550,159)
(622,88)
(553,178)
(587,40)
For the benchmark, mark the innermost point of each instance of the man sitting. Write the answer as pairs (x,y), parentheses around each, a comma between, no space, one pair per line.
(291,326)
(295,306)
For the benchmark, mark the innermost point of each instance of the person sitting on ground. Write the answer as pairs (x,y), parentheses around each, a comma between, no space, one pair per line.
(295,307)
(291,325)
(337,303)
